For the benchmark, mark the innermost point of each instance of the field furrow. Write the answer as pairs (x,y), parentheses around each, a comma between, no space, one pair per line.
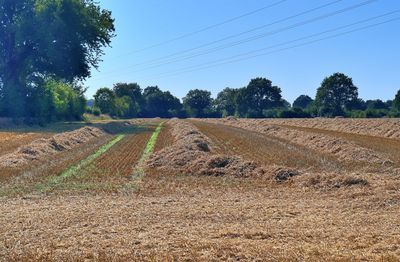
(265,149)
(383,145)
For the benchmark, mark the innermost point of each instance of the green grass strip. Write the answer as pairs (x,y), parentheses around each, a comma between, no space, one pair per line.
(73,170)
(139,173)
(150,145)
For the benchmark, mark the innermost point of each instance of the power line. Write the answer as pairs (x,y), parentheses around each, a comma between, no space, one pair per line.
(221,47)
(208,27)
(183,71)
(234,35)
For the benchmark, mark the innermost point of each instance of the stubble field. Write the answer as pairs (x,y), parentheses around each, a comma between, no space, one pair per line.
(209,189)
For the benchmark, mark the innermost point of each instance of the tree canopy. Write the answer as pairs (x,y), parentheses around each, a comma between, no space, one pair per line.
(303,102)
(47,39)
(335,94)
(198,103)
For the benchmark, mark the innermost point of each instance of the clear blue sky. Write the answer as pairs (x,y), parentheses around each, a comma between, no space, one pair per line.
(371,57)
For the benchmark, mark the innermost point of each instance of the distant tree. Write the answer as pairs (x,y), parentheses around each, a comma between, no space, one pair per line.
(198,103)
(389,104)
(356,104)
(242,102)
(335,94)
(261,95)
(303,102)
(160,104)
(134,92)
(104,99)
(42,39)
(286,104)
(122,106)
(376,104)
(396,101)
(295,112)
(226,101)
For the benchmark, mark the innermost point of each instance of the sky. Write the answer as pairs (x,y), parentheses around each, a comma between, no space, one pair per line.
(179,45)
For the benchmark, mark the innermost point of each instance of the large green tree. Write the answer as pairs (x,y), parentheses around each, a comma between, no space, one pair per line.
(42,39)
(198,103)
(225,102)
(259,95)
(160,104)
(104,99)
(134,92)
(335,95)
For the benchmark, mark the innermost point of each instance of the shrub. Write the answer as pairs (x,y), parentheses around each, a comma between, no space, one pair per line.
(96,111)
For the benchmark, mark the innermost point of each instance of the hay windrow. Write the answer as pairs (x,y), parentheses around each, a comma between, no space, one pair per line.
(193,153)
(342,149)
(42,148)
(388,128)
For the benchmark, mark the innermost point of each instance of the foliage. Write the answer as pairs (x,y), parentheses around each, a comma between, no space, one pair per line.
(260,95)
(396,102)
(198,103)
(226,101)
(159,103)
(286,113)
(96,111)
(334,95)
(46,39)
(104,99)
(134,93)
(377,104)
(55,101)
(303,102)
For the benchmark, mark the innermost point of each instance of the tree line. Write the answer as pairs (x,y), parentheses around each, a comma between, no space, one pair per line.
(336,96)
(48,47)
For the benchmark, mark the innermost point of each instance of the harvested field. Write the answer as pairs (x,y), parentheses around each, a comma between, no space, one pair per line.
(340,148)
(211,191)
(113,169)
(266,150)
(43,148)
(389,128)
(206,220)
(194,153)
(10,141)
(387,146)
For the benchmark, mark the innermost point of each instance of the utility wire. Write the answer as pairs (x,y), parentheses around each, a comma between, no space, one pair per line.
(225,46)
(295,40)
(207,28)
(281,49)
(234,35)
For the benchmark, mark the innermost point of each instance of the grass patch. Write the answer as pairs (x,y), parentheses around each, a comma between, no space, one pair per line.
(139,171)
(150,144)
(73,170)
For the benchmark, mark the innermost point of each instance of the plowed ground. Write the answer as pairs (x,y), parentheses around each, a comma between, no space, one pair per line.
(114,168)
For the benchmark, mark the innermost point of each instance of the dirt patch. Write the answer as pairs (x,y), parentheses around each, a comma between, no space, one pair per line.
(194,153)
(42,148)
